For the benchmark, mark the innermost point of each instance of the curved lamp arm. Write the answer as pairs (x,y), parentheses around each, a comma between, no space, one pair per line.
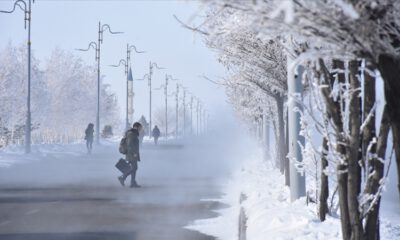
(144,77)
(171,78)
(155,65)
(160,87)
(91,45)
(23,8)
(122,61)
(134,48)
(15,6)
(107,27)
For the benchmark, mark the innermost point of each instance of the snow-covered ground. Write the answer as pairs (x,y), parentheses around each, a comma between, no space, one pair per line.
(271,215)
(14,154)
(269,212)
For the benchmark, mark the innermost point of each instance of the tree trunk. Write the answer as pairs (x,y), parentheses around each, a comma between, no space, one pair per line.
(334,113)
(389,67)
(343,191)
(324,193)
(375,175)
(369,132)
(282,156)
(352,153)
(396,144)
(287,165)
(276,135)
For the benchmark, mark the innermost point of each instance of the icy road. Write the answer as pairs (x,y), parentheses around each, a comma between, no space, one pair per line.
(60,192)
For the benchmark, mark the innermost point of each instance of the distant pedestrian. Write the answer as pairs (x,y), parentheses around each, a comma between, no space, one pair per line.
(156,134)
(132,154)
(89,137)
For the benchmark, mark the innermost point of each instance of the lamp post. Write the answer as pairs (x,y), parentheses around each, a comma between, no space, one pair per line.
(184,111)
(129,79)
(203,120)
(191,114)
(97,48)
(177,110)
(197,116)
(148,76)
(165,86)
(177,107)
(295,88)
(200,119)
(26,6)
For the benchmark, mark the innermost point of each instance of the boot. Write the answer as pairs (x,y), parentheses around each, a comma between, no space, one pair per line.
(135,185)
(121,180)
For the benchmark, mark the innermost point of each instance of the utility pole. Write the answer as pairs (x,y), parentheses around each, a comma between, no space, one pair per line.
(297,177)
(177,110)
(148,76)
(200,119)
(184,112)
(204,120)
(165,86)
(97,47)
(266,134)
(166,106)
(129,82)
(191,115)
(197,117)
(27,8)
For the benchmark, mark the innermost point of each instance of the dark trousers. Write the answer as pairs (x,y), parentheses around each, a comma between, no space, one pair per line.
(89,143)
(134,167)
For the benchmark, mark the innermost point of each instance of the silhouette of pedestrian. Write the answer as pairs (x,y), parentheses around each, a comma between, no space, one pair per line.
(89,137)
(132,154)
(156,134)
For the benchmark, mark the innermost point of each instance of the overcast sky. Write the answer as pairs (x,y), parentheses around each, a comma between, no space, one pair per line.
(149,25)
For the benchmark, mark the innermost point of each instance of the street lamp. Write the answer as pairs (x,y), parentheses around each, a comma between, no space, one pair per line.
(165,86)
(177,106)
(184,111)
(204,120)
(97,47)
(26,6)
(191,114)
(148,76)
(129,80)
(198,109)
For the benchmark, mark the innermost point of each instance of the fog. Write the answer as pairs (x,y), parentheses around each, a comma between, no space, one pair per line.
(61,189)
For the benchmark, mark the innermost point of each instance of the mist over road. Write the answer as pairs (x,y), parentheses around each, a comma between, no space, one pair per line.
(72,195)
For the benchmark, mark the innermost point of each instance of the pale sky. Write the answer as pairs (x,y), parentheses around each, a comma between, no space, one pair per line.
(149,25)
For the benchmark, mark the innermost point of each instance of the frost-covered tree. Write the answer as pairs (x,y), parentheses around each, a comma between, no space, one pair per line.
(13,92)
(73,97)
(345,30)
(63,96)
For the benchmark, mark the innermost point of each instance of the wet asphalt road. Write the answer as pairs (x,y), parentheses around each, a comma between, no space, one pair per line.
(77,196)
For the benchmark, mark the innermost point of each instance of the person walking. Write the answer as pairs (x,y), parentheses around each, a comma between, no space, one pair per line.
(89,137)
(132,154)
(156,134)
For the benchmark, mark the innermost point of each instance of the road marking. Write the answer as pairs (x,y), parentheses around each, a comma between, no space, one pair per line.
(33,211)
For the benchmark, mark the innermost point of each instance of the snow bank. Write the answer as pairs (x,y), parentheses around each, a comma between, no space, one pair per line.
(15,154)
(270,214)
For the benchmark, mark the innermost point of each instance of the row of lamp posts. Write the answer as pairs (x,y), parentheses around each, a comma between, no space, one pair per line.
(26,7)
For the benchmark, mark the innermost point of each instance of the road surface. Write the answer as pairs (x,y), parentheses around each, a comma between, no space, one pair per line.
(71,195)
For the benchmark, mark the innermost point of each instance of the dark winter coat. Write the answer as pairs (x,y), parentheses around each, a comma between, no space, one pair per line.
(89,134)
(156,132)
(132,142)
